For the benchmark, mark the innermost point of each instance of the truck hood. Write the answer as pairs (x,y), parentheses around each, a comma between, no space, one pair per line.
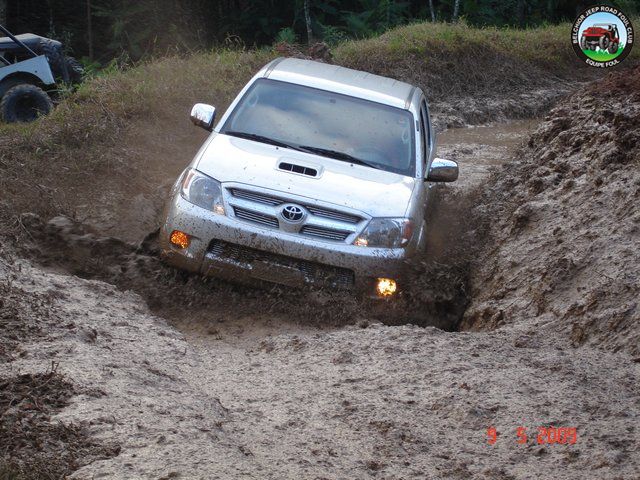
(374,192)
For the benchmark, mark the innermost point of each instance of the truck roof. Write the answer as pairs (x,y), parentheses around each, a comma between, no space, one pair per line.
(341,80)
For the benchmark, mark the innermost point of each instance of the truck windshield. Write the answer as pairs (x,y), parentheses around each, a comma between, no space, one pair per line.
(326,123)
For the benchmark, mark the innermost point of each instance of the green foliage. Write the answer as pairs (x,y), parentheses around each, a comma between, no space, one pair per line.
(332,35)
(630,7)
(375,16)
(91,67)
(143,28)
(287,35)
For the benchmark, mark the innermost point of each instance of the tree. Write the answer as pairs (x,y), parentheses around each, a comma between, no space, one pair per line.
(456,10)
(89,30)
(432,11)
(307,21)
(521,7)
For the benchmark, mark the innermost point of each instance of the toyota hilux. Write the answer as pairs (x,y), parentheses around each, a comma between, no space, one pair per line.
(315,175)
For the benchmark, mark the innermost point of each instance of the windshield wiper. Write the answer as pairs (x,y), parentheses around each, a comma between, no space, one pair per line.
(302,148)
(260,138)
(337,155)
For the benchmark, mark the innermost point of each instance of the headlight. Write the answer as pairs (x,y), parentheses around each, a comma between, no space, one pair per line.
(202,191)
(386,233)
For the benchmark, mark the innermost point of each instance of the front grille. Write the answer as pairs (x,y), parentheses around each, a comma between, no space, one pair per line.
(314,273)
(266,199)
(341,224)
(322,232)
(256,197)
(256,217)
(332,214)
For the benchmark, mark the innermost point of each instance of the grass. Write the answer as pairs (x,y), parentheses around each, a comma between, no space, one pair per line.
(602,56)
(435,38)
(444,58)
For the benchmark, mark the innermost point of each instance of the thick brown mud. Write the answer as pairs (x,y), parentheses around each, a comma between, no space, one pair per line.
(274,398)
(32,446)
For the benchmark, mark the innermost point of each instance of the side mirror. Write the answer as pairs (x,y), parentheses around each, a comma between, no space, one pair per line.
(203,115)
(442,171)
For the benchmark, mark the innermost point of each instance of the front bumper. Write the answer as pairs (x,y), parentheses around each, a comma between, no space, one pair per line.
(231,248)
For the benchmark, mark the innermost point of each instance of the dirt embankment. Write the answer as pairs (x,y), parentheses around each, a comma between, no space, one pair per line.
(565,236)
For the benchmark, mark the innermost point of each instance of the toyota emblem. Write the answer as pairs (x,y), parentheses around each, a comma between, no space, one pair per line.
(292,213)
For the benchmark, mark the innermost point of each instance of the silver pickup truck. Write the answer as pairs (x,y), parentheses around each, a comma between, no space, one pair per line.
(315,175)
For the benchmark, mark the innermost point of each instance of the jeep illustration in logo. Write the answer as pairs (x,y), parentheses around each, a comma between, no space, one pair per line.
(602,36)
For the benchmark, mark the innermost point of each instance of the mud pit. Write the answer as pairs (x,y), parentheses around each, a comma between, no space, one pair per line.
(198,379)
(479,149)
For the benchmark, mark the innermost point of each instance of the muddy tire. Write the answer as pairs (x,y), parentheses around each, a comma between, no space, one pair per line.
(75,69)
(604,43)
(24,103)
(57,61)
(613,48)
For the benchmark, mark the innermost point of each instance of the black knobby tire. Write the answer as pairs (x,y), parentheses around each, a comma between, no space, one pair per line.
(75,69)
(8,83)
(583,43)
(24,103)
(613,47)
(55,56)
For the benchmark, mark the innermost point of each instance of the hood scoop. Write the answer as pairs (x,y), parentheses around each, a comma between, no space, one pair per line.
(297,168)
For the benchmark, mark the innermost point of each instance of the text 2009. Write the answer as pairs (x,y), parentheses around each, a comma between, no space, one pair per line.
(546,435)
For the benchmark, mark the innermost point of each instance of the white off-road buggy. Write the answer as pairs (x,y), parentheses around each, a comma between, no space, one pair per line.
(31,67)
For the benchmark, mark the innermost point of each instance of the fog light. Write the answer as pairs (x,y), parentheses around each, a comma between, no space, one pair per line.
(179,239)
(386,287)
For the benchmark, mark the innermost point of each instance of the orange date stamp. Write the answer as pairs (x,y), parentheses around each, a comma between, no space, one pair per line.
(544,435)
